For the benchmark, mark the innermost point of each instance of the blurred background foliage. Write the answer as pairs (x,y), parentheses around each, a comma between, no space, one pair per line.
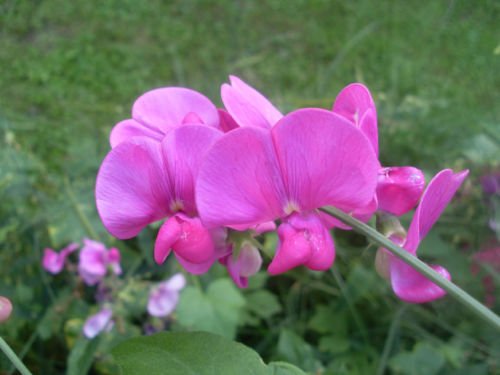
(71,70)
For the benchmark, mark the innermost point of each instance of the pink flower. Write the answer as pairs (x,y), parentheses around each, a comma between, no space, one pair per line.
(95,260)
(408,284)
(247,106)
(143,181)
(158,111)
(97,323)
(246,264)
(311,158)
(398,188)
(5,309)
(164,297)
(53,261)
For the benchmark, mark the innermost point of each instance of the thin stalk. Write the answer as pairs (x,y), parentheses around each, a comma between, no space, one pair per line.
(459,294)
(391,335)
(79,212)
(13,357)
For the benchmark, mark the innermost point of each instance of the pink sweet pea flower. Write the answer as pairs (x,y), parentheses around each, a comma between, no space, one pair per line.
(97,323)
(246,264)
(311,158)
(143,181)
(408,284)
(158,111)
(95,260)
(5,309)
(247,106)
(398,188)
(53,261)
(164,297)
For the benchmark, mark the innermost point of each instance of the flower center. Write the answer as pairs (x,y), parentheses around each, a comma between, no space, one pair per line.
(291,207)
(176,205)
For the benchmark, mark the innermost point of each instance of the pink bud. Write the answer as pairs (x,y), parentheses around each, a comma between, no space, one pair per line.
(247,263)
(5,309)
(399,189)
(187,237)
(53,261)
(303,240)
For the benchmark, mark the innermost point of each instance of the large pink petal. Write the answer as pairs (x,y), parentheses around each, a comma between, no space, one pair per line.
(411,286)
(257,100)
(436,197)
(399,189)
(132,189)
(355,103)
(241,109)
(239,183)
(127,129)
(324,161)
(166,108)
(184,149)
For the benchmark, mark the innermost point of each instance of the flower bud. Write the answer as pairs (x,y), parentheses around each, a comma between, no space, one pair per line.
(5,309)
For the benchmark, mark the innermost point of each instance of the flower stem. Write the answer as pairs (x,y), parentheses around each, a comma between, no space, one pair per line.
(459,294)
(13,357)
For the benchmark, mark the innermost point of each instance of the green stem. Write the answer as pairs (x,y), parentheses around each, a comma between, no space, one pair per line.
(459,294)
(389,341)
(79,212)
(13,357)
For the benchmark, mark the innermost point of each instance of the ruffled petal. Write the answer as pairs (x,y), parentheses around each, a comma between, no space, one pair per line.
(399,189)
(239,183)
(127,129)
(183,150)
(411,286)
(436,197)
(166,108)
(324,161)
(132,188)
(355,103)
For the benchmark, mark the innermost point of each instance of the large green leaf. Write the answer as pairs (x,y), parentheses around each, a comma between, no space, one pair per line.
(188,353)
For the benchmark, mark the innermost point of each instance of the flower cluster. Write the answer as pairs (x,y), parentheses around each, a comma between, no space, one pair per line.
(98,267)
(218,177)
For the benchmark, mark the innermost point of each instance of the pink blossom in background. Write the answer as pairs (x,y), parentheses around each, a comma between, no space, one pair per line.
(95,259)
(247,263)
(398,188)
(5,309)
(490,258)
(158,111)
(54,261)
(247,106)
(97,323)
(252,176)
(143,181)
(408,284)
(164,297)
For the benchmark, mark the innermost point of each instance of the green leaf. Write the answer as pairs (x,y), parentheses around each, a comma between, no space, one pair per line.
(218,310)
(187,353)
(423,360)
(334,344)
(81,356)
(262,303)
(284,368)
(293,349)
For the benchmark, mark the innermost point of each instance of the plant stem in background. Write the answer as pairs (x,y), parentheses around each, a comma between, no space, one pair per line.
(459,294)
(13,357)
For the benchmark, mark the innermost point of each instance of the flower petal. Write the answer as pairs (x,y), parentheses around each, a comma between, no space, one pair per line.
(166,108)
(239,183)
(162,301)
(355,103)
(52,262)
(411,286)
(132,188)
(325,161)
(176,282)
(226,123)
(97,323)
(399,189)
(436,197)
(241,109)
(183,150)
(195,268)
(127,129)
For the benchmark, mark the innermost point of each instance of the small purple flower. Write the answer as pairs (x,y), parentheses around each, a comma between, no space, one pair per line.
(164,297)
(97,323)
(95,260)
(53,261)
